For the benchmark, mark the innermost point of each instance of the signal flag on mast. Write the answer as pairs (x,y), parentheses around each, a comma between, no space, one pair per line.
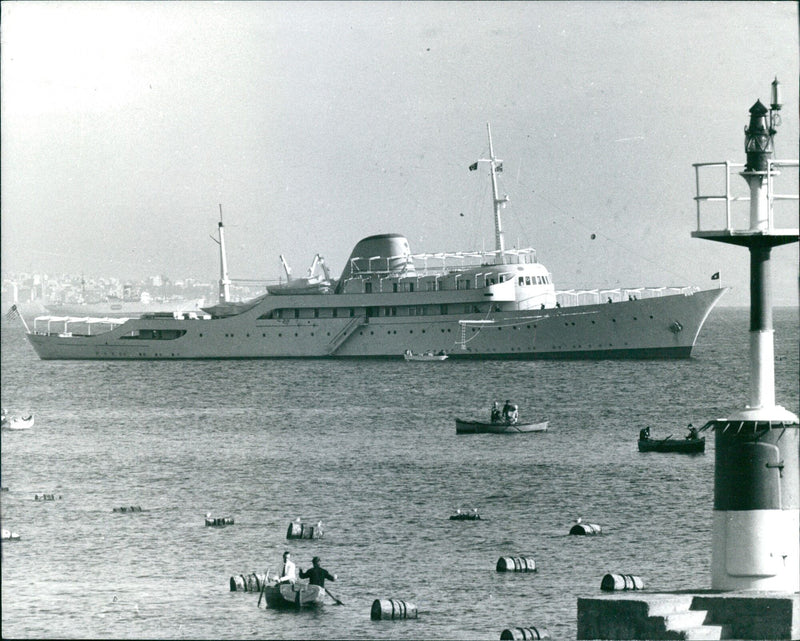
(715,276)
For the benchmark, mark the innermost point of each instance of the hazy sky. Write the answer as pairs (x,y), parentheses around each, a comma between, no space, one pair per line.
(125,125)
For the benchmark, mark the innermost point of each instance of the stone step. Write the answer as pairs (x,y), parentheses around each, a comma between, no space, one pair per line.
(662,605)
(684,620)
(703,632)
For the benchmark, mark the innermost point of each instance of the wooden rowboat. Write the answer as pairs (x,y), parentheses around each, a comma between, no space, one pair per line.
(294,595)
(427,356)
(482,427)
(681,446)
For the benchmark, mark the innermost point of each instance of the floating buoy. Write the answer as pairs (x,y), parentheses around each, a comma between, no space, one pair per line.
(392,609)
(132,508)
(8,535)
(252,582)
(463,515)
(516,564)
(613,582)
(218,521)
(299,530)
(524,633)
(587,529)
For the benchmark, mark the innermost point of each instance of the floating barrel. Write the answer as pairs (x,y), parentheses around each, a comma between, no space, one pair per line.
(516,564)
(252,582)
(392,609)
(524,633)
(465,516)
(132,508)
(587,529)
(299,530)
(219,521)
(612,582)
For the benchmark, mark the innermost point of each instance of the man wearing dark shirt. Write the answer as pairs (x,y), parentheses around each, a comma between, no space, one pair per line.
(317,574)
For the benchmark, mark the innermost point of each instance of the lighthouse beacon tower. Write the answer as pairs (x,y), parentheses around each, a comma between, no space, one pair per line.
(756,482)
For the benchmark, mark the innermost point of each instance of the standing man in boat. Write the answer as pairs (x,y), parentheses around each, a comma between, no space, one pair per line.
(289,572)
(316,575)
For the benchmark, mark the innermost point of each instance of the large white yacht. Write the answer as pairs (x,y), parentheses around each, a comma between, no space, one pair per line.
(499,304)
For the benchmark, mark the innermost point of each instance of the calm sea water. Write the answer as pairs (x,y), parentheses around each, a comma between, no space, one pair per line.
(370,449)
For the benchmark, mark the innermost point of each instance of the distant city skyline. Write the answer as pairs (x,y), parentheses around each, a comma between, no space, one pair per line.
(126,124)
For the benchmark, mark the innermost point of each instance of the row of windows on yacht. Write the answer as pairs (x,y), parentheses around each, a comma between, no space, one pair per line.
(378,311)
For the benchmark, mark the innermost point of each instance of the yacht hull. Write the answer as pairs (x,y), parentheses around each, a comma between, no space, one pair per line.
(663,327)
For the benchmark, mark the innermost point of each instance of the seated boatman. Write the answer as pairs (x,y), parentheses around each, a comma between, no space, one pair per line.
(316,575)
(513,414)
(644,434)
(510,413)
(288,573)
(496,412)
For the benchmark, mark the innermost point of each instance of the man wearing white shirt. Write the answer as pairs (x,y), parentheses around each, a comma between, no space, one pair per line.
(288,573)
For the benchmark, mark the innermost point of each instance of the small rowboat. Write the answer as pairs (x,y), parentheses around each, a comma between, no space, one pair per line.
(427,356)
(294,595)
(18,422)
(681,446)
(481,427)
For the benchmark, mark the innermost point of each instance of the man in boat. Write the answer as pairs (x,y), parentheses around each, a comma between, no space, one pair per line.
(289,572)
(316,575)
(644,434)
(496,412)
(510,412)
(692,435)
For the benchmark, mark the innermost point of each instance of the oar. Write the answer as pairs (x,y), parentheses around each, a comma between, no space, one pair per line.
(263,585)
(338,602)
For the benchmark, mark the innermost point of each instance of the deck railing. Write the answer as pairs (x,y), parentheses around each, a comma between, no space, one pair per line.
(574,297)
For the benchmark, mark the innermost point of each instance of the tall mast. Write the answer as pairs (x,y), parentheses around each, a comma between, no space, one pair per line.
(224,281)
(495,166)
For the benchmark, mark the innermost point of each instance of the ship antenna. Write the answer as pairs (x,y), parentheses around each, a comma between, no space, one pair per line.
(224,281)
(495,166)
